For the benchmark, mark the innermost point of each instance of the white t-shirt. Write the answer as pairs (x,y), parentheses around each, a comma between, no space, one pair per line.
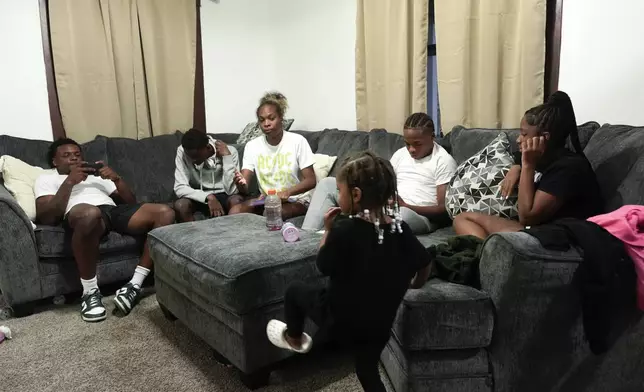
(418,179)
(94,190)
(278,167)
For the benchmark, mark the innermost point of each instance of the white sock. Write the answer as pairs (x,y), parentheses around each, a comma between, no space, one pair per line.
(89,285)
(139,275)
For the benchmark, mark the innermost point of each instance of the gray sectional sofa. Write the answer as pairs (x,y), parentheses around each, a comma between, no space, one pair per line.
(520,332)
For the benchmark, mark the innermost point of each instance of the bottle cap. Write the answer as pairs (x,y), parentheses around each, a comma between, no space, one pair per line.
(271,192)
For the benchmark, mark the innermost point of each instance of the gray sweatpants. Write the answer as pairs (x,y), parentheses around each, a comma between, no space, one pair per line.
(325,197)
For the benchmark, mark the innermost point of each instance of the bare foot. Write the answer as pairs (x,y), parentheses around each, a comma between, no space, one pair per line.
(296,343)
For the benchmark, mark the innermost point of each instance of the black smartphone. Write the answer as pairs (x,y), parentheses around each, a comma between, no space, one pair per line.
(96,166)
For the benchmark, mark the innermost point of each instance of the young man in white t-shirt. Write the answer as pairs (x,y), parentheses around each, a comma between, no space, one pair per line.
(90,202)
(423,171)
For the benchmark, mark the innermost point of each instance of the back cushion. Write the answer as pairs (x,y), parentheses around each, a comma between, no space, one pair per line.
(385,144)
(147,165)
(34,152)
(616,152)
(462,142)
(341,144)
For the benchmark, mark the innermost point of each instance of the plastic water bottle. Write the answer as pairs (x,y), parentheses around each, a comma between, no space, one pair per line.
(273,211)
(290,232)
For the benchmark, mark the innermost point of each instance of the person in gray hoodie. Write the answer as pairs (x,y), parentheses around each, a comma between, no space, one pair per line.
(203,178)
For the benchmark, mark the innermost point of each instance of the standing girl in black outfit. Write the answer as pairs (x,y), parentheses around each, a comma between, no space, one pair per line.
(370,256)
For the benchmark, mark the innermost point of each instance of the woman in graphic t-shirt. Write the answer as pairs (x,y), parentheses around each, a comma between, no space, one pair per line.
(280,160)
(553,182)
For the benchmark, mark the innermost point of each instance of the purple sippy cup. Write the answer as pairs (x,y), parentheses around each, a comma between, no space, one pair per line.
(290,232)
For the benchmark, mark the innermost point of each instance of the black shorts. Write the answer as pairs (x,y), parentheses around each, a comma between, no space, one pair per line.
(222,198)
(116,218)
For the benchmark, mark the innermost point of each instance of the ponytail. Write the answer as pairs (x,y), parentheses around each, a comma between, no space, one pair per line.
(557,117)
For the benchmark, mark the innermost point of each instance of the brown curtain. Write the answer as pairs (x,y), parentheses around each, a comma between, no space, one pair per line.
(124,67)
(391,62)
(491,56)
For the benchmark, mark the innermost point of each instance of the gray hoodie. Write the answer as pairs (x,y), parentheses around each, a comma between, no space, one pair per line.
(215,176)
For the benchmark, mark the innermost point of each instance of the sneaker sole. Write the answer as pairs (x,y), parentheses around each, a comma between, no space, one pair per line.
(94,319)
(121,306)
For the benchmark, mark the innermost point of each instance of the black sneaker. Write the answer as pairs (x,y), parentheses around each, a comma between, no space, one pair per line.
(127,297)
(92,309)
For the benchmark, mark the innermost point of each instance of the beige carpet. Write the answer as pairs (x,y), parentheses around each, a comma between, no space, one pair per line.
(54,350)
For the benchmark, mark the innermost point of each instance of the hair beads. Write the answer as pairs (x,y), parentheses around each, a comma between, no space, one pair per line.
(376,178)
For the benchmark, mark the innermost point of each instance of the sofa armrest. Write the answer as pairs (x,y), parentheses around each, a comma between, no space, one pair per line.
(19,273)
(537,333)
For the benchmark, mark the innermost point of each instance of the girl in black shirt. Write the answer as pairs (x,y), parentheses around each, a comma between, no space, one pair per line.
(554,182)
(370,256)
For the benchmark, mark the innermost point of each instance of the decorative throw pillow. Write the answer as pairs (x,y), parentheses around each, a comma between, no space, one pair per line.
(476,186)
(252,130)
(19,178)
(321,167)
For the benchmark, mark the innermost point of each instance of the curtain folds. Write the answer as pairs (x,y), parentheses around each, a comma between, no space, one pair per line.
(491,56)
(124,68)
(391,62)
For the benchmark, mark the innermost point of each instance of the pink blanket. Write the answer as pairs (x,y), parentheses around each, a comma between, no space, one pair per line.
(627,224)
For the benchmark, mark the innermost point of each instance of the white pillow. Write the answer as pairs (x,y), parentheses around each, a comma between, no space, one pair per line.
(321,167)
(19,179)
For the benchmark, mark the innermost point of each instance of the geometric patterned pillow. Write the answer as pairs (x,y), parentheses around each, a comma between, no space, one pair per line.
(476,185)
(253,130)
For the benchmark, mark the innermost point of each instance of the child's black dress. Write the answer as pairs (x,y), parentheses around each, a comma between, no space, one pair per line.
(366,286)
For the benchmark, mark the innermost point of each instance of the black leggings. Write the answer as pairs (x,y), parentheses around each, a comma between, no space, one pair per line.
(302,301)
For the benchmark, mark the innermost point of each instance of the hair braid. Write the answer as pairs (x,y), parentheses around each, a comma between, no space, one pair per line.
(557,117)
(376,179)
(420,121)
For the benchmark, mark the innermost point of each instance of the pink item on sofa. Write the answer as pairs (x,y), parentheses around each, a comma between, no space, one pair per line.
(627,224)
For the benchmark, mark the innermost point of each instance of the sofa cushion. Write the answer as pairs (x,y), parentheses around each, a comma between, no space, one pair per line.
(34,152)
(19,178)
(437,370)
(444,315)
(616,152)
(385,144)
(341,144)
(54,242)
(147,165)
(463,142)
(243,269)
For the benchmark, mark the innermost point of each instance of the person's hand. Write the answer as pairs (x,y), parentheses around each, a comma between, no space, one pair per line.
(107,173)
(329,216)
(78,174)
(215,207)
(401,202)
(510,181)
(221,148)
(531,150)
(239,179)
(284,195)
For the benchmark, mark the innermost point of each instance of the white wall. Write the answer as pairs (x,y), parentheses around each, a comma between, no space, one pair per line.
(302,48)
(24,105)
(602,58)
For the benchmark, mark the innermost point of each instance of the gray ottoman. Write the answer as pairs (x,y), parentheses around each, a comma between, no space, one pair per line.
(225,279)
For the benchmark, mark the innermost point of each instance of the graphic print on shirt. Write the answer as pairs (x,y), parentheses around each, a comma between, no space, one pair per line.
(275,171)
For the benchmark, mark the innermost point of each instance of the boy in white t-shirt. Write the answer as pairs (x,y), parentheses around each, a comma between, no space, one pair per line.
(423,171)
(89,202)
(280,160)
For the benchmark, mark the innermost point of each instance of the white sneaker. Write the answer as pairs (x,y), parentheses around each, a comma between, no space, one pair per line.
(92,309)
